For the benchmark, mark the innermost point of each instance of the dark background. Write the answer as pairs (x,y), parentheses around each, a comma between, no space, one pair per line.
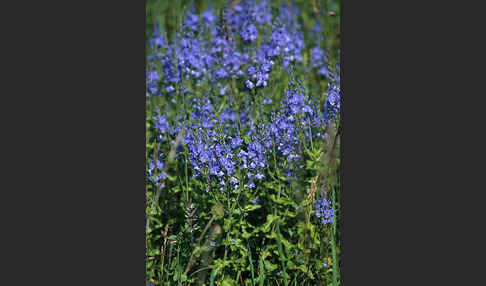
(74,76)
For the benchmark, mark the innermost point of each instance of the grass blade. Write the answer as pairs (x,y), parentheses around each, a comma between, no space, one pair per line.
(283,260)
(213,275)
(251,265)
(261,271)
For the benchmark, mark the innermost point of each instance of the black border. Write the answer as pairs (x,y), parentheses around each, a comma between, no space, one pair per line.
(77,80)
(77,166)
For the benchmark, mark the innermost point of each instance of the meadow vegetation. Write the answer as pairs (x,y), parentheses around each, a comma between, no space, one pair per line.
(242,142)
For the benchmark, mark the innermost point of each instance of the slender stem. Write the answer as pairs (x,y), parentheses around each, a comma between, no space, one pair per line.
(251,264)
(193,256)
(164,246)
(170,157)
(310,134)
(206,229)
(228,233)
(187,178)
(226,244)
(199,270)
(332,151)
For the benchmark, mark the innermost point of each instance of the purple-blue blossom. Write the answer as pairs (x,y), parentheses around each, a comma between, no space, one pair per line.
(324,210)
(249,84)
(333,100)
(249,32)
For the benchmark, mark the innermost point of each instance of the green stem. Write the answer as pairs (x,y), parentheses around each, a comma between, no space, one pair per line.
(251,265)
(187,178)
(310,134)
(335,265)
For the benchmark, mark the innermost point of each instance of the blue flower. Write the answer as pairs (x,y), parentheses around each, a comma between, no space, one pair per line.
(222,91)
(192,21)
(249,32)
(154,76)
(221,73)
(262,12)
(151,171)
(249,84)
(317,56)
(236,142)
(208,17)
(332,104)
(324,71)
(324,211)
(161,123)
(153,79)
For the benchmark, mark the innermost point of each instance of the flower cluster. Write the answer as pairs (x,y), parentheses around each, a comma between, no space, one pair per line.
(161,125)
(156,172)
(224,49)
(296,112)
(324,211)
(219,156)
(228,148)
(319,58)
(319,61)
(333,99)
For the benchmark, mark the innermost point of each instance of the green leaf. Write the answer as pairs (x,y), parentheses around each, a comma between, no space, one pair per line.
(245,234)
(270,266)
(221,106)
(247,139)
(309,165)
(284,201)
(213,275)
(261,271)
(270,219)
(289,213)
(229,282)
(302,268)
(252,207)
(171,178)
